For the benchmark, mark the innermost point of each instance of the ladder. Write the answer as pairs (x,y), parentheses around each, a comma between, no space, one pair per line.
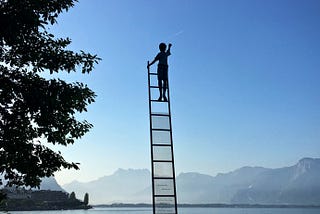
(164,195)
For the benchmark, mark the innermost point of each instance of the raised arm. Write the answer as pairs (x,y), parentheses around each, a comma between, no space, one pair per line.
(169,48)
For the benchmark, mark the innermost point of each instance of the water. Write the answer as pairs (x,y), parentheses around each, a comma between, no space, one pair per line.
(181,211)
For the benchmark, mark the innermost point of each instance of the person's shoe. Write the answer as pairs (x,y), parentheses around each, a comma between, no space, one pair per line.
(165,99)
(160,98)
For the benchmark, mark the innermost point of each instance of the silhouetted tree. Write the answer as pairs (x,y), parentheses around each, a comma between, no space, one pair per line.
(86,199)
(72,196)
(33,107)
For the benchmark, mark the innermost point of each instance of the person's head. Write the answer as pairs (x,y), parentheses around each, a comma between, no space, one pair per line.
(162,47)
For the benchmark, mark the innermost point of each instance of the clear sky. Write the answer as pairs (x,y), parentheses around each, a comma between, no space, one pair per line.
(244,79)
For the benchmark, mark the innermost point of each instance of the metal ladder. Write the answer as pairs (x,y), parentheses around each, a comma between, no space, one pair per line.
(164,195)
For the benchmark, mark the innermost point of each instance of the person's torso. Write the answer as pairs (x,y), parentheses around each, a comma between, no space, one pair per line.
(163,58)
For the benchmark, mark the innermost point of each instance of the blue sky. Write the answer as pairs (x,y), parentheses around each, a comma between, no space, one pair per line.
(244,79)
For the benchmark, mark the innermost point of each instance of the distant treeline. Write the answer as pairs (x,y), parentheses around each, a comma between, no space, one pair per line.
(26,200)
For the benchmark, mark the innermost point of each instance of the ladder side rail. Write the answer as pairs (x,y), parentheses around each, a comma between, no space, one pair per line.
(172,153)
(151,142)
(154,195)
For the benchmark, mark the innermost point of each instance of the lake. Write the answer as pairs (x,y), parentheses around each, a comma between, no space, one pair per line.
(181,211)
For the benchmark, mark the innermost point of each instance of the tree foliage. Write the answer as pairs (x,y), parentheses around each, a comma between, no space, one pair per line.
(34,110)
(72,196)
(86,199)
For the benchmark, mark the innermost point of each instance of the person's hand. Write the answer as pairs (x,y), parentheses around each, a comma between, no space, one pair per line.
(170,45)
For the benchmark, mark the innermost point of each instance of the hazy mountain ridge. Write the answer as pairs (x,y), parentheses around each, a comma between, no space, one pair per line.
(118,187)
(50,183)
(47,183)
(298,184)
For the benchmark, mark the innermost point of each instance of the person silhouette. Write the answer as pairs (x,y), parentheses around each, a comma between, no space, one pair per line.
(162,70)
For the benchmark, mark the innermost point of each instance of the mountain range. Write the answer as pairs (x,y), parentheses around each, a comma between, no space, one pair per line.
(47,183)
(297,185)
(50,183)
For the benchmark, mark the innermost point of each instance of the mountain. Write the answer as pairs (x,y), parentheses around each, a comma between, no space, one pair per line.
(47,183)
(199,188)
(50,184)
(298,184)
(122,186)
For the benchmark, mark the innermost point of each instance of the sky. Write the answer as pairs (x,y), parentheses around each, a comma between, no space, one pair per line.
(244,82)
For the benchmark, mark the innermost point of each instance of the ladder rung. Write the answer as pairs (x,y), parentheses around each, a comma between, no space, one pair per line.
(156,144)
(153,86)
(151,73)
(160,129)
(163,161)
(162,177)
(165,196)
(160,114)
(161,101)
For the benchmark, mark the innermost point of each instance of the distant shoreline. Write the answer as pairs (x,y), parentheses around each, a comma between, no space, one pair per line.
(119,205)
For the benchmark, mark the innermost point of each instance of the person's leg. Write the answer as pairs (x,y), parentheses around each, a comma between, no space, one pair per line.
(165,86)
(165,83)
(159,73)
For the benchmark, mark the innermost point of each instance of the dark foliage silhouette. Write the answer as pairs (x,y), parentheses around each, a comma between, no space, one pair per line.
(35,111)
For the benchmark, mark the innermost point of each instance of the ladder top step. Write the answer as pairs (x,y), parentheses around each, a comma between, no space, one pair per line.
(161,101)
(154,86)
